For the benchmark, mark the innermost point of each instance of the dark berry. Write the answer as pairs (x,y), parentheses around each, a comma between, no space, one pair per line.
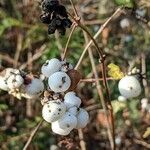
(51,29)
(49,5)
(45,18)
(61,10)
(61,30)
(58,22)
(53,22)
(66,23)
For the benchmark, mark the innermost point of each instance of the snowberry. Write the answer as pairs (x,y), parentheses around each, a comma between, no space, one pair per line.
(14,81)
(68,121)
(129,87)
(74,110)
(50,67)
(82,118)
(124,23)
(71,100)
(65,66)
(59,82)
(3,84)
(35,87)
(53,110)
(58,130)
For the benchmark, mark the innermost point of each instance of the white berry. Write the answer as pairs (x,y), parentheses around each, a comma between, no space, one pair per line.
(82,118)
(74,110)
(59,82)
(129,87)
(35,87)
(56,129)
(68,121)
(53,110)
(15,81)
(124,23)
(71,100)
(3,84)
(50,67)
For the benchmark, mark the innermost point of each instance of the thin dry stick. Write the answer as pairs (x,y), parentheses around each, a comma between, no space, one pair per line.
(96,35)
(99,51)
(32,135)
(69,38)
(93,79)
(81,137)
(35,57)
(74,9)
(100,93)
(18,49)
(8,59)
(102,57)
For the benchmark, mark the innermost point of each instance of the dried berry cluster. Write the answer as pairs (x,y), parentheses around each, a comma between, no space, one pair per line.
(55,15)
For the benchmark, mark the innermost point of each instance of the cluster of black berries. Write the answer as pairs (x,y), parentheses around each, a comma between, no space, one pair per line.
(55,15)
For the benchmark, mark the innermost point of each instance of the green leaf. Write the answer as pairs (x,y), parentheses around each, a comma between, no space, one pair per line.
(126,3)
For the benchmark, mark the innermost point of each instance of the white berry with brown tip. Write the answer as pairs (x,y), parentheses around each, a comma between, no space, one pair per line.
(53,110)
(129,87)
(82,118)
(71,100)
(58,130)
(51,66)
(59,82)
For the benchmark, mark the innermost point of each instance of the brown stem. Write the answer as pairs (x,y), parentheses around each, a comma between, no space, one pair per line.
(32,135)
(96,35)
(69,38)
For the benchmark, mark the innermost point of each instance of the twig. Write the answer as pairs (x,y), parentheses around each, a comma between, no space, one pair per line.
(18,49)
(143,143)
(96,35)
(81,138)
(69,38)
(32,135)
(8,59)
(93,79)
(100,93)
(35,57)
(74,9)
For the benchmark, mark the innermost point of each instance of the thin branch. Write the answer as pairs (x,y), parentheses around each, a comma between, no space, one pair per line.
(35,57)
(8,59)
(74,8)
(100,52)
(69,38)
(96,35)
(100,93)
(18,49)
(81,138)
(93,79)
(33,134)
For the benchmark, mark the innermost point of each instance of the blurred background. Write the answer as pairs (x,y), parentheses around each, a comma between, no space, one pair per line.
(25,44)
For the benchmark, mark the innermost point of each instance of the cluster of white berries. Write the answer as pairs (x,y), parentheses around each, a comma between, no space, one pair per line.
(65,115)
(61,106)
(129,86)
(17,82)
